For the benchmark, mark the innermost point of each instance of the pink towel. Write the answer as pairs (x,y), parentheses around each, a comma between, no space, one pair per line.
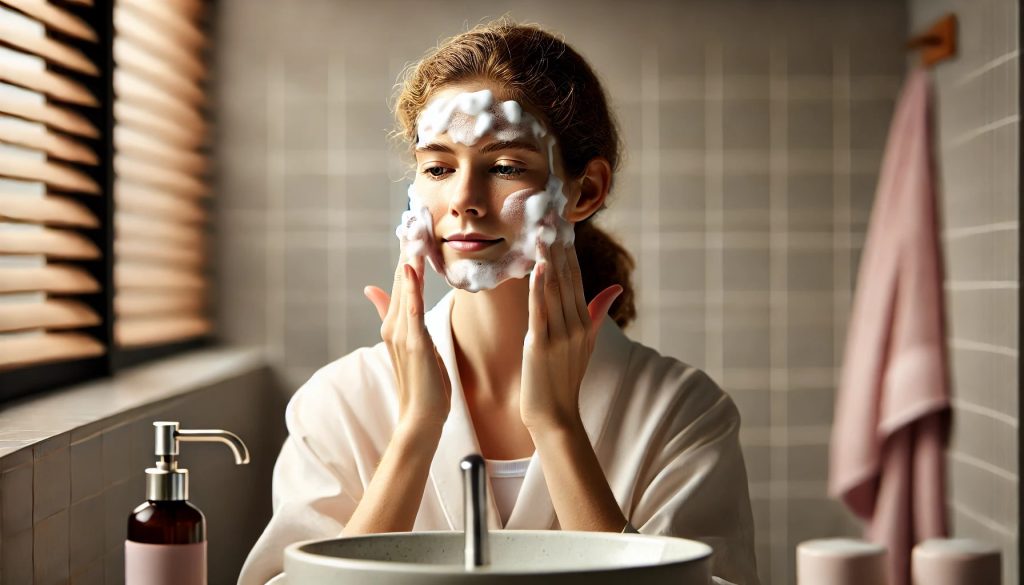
(892,409)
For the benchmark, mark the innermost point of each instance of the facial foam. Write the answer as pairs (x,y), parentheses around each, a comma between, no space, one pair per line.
(466,117)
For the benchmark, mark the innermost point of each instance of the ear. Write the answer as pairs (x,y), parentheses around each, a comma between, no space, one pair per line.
(591,191)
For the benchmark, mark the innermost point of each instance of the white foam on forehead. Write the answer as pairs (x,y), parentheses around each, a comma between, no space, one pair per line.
(467,116)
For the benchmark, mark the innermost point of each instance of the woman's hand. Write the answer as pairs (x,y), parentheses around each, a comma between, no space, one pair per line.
(560,338)
(424,390)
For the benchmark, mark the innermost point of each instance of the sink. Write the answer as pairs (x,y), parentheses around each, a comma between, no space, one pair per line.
(476,556)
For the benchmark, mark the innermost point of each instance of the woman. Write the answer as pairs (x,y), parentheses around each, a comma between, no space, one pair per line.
(582,428)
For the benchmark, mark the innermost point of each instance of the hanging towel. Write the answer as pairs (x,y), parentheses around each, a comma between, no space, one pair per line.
(892,409)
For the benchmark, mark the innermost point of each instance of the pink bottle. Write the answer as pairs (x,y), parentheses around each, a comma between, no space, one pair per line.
(956,561)
(840,561)
(166,542)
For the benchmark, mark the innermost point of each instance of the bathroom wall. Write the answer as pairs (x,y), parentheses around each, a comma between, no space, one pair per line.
(753,130)
(977,143)
(65,501)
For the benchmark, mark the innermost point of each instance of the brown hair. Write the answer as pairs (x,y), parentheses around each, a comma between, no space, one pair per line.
(539,69)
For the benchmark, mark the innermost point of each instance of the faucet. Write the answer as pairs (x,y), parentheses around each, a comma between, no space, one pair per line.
(474,490)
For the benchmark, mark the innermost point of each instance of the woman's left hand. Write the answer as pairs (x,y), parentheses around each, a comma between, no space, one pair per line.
(560,338)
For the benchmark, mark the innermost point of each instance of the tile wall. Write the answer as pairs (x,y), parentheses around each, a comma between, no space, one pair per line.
(978,145)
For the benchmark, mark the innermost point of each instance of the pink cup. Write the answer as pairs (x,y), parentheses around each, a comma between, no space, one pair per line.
(840,561)
(956,561)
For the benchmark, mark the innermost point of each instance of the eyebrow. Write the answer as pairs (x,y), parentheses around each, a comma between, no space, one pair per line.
(492,147)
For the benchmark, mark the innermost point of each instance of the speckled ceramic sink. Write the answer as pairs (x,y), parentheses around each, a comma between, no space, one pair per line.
(477,556)
(538,557)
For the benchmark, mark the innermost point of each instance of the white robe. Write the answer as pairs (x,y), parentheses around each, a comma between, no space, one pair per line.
(665,434)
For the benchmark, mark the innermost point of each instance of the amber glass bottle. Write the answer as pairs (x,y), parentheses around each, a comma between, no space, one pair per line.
(167,522)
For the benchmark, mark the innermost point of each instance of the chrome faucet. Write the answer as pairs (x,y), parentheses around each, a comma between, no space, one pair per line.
(474,490)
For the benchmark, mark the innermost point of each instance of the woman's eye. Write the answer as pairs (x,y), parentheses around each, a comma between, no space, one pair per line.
(436,173)
(508,170)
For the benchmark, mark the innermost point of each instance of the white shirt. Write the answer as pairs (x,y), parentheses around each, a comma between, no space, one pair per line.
(666,436)
(506,479)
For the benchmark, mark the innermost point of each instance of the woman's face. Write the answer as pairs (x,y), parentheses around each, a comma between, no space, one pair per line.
(484,172)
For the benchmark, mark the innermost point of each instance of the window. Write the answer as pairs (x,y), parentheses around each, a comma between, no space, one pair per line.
(102,187)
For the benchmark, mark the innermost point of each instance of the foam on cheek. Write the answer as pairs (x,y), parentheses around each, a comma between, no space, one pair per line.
(416,233)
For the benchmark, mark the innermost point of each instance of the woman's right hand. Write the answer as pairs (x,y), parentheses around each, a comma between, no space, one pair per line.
(424,390)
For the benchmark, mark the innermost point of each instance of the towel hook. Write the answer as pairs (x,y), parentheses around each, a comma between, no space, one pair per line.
(938,43)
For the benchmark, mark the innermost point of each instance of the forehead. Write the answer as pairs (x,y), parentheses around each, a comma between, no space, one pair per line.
(466,113)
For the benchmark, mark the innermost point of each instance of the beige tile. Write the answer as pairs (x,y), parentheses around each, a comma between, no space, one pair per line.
(117,450)
(86,521)
(86,468)
(17,557)
(113,562)
(746,270)
(92,574)
(681,124)
(745,124)
(50,550)
(51,484)
(810,124)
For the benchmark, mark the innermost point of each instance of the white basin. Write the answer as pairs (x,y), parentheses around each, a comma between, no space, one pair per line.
(537,557)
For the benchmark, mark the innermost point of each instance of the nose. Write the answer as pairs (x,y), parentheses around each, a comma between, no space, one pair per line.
(469,196)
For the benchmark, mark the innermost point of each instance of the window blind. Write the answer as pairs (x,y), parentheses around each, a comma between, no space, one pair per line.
(49,228)
(160,168)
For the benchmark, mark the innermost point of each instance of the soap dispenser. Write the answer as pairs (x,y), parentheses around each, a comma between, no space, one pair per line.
(166,541)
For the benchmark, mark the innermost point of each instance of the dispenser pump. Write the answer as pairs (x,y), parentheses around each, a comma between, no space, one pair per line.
(167,481)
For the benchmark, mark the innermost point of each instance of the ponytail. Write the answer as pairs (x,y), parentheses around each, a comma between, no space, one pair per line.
(604,262)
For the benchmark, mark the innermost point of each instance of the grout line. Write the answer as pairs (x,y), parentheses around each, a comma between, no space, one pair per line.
(650,189)
(983,465)
(986,522)
(975,230)
(779,487)
(972,134)
(982,285)
(1002,417)
(986,68)
(958,343)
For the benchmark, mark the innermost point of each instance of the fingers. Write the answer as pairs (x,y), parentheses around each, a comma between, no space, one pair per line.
(599,307)
(567,290)
(576,275)
(552,296)
(538,329)
(414,309)
(380,300)
(396,286)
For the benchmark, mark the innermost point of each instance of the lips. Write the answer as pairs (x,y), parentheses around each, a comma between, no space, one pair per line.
(470,242)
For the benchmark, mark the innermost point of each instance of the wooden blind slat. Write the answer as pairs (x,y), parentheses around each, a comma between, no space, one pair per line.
(49,314)
(48,210)
(52,278)
(131,249)
(54,145)
(130,87)
(52,84)
(140,332)
(163,15)
(146,119)
(142,200)
(51,115)
(170,180)
(143,146)
(51,173)
(47,347)
(158,41)
(128,225)
(129,56)
(49,49)
(133,303)
(51,242)
(54,18)
(141,276)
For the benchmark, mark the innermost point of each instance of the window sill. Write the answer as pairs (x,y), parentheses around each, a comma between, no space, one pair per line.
(34,419)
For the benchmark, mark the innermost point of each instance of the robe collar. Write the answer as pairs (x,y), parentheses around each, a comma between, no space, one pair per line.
(533,508)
